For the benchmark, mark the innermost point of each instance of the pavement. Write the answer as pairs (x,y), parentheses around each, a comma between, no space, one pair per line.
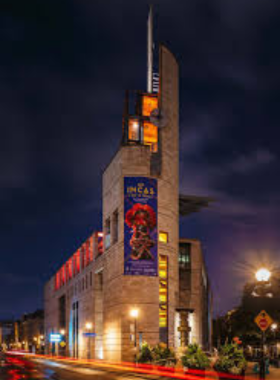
(274,373)
(14,367)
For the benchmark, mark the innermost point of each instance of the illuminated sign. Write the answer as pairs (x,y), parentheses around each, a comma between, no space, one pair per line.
(55,338)
(140,226)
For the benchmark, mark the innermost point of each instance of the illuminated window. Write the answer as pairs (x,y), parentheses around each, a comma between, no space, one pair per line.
(99,243)
(150,135)
(185,255)
(133,130)
(163,292)
(163,237)
(149,103)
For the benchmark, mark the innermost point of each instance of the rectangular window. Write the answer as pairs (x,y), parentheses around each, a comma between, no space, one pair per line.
(133,130)
(163,296)
(90,279)
(149,103)
(115,226)
(185,266)
(163,237)
(185,255)
(62,311)
(107,233)
(150,135)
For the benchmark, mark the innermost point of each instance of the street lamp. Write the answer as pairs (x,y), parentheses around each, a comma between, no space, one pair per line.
(263,275)
(88,327)
(274,326)
(62,332)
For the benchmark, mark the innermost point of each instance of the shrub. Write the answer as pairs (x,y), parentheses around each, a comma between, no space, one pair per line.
(162,355)
(231,360)
(145,354)
(195,358)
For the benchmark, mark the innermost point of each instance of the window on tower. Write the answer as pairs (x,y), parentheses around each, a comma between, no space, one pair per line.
(133,130)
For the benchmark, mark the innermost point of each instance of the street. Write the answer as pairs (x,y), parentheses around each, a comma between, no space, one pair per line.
(17,367)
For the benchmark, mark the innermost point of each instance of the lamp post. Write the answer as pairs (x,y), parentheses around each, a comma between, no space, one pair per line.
(88,327)
(262,276)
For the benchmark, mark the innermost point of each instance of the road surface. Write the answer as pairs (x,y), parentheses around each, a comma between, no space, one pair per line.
(18,367)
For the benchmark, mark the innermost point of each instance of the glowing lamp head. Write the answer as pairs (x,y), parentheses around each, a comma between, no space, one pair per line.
(274,326)
(134,313)
(88,325)
(62,332)
(263,274)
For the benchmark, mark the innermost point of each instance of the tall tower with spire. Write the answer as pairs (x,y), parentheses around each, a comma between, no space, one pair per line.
(140,191)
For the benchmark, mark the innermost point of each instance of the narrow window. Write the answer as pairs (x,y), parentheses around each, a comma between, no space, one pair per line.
(115,226)
(163,237)
(107,233)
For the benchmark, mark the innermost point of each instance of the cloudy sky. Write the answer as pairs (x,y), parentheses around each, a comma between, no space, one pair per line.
(64,68)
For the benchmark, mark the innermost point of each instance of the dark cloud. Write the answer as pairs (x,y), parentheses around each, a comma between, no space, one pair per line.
(64,68)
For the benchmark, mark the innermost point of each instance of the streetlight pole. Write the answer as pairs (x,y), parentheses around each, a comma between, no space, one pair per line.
(262,276)
(88,328)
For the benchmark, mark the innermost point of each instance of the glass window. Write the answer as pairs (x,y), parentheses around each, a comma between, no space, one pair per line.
(133,130)
(163,291)
(149,103)
(115,226)
(163,237)
(150,135)
(107,233)
(185,255)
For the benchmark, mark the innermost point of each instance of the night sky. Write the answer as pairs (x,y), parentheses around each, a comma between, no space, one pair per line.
(64,68)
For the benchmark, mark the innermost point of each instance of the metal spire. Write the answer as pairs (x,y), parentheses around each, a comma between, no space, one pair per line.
(150,52)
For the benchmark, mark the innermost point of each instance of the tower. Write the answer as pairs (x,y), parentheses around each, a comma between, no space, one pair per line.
(141,219)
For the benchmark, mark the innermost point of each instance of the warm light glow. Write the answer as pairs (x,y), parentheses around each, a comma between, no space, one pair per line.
(133,129)
(150,135)
(41,336)
(149,103)
(163,237)
(62,332)
(134,313)
(35,338)
(263,274)
(88,325)
(274,326)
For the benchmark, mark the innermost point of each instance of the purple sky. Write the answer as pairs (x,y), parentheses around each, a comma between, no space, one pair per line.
(65,66)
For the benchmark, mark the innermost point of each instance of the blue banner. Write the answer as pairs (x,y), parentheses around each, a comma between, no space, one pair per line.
(140,226)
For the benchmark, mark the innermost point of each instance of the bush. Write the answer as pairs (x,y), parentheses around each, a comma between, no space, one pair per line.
(162,355)
(195,358)
(231,360)
(145,354)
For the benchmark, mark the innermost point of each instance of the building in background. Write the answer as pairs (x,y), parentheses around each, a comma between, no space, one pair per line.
(29,334)
(6,334)
(136,281)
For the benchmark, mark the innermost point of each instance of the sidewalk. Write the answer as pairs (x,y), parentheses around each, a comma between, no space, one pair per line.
(274,373)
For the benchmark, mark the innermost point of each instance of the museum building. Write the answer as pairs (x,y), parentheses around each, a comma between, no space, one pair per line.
(136,281)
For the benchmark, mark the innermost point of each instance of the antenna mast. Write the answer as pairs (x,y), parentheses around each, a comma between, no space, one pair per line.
(150,52)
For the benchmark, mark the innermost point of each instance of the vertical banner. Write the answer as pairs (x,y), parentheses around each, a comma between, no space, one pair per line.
(140,226)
